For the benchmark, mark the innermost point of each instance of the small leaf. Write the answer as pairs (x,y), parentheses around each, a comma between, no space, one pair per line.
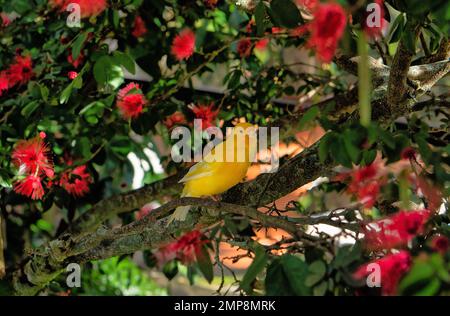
(204,263)
(78,45)
(126,61)
(309,116)
(29,108)
(285,13)
(258,264)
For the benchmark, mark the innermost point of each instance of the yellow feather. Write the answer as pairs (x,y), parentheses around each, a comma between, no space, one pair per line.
(210,177)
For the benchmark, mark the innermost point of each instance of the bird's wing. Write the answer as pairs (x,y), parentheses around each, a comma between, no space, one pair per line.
(199,170)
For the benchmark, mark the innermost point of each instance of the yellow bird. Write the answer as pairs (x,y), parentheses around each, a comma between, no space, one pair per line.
(222,168)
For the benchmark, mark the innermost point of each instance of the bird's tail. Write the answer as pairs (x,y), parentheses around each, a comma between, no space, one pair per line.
(180,212)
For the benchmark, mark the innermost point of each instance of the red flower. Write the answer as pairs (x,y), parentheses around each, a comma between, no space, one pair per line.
(327,28)
(4,82)
(42,135)
(395,231)
(244,47)
(206,114)
(184,249)
(33,156)
(88,8)
(262,44)
(365,185)
(76,181)
(21,71)
(392,268)
(309,4)
(183,45)
(440,244)
(131,103)
(72,75)
(176,118)
(139,28)
(31,186)
(408,153)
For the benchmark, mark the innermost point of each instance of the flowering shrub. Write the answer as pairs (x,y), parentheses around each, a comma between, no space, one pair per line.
(91,91)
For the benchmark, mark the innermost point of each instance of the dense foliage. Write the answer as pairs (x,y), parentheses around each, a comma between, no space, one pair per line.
(76,101)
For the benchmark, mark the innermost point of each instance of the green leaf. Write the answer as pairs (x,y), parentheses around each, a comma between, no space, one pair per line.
(309,116)
(324,147)
(125,60)
(317,271)
(204,264)
(285,13)
(170,269)
(285,276)
(397,29)
(65,95)
(320,289)
(78,44)
(258,264)
(100,69)
(29,108)
(260,18)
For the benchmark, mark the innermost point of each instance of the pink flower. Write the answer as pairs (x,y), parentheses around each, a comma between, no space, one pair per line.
(145,210)
(327,29)
(131,103)
(206,114)
(392,268)
(183,45)
(139,28)
(395,231)
(31,186)
(5,19)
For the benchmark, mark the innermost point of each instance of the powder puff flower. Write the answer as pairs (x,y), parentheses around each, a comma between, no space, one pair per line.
(4,82)
(395,231)
(183,45)
(131,101)
(176,118)
(440,244)
(88,8)
(76,182)
(31,186)
(185,249)
(392,268)
(205,113)
(21,71)
(33,156)
(327,29)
